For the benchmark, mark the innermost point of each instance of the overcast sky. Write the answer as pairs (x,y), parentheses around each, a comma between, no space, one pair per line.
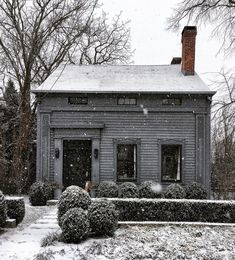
(153,44)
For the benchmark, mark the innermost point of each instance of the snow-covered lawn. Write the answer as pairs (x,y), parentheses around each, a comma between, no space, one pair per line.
(130,242)
(153,242)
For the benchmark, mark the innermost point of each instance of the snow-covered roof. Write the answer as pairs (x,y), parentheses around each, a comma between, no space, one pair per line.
(122,79)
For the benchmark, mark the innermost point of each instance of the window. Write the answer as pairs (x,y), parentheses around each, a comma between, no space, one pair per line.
(78,100)
(127,101)
(172,101)
(126,162)
(171,162)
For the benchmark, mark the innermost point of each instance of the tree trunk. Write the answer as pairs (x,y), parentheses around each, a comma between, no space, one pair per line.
(23,140)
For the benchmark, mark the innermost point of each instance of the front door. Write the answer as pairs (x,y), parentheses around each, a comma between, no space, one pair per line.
(76,162)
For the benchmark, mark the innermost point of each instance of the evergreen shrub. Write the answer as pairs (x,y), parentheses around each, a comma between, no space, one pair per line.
(103,217)
(150,189)
(74,225)
(72,197)
(174,191)
(3,210)
(128,190)
(107,189)
(195,190)
(39,193)
(15,208)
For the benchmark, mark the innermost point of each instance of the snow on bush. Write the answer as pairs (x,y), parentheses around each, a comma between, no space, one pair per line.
(73,197)
(150,189)
(195,190)
(128,190)
(103,217)
(40,193)
(107,189)
(15,208)
(3,210)
(174,191)
(74,225)
(175,210)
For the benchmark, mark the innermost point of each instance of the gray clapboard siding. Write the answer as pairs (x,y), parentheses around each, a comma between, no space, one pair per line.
(149,128)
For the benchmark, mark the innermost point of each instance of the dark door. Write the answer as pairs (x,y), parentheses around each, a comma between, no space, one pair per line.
(76,162)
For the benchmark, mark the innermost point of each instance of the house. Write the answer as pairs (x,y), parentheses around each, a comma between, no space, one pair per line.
(125,123)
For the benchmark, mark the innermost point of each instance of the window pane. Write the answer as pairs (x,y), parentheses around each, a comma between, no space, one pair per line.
(127,101)
(79,100)
(172,101)
(126,162)
(171,162)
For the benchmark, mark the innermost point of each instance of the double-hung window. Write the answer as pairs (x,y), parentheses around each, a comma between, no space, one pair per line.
(171,162)
(126,161)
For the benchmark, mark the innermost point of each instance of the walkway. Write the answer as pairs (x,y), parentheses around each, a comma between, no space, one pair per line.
(24,244)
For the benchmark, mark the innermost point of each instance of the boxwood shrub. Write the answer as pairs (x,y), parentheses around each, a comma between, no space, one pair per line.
(73,197)
(128,190)
(15,208)
(175,210)
(3,210)
(174,191)
(195,190)
(150,189)
(103,217)
(40,192)
(107,189)
(74,225)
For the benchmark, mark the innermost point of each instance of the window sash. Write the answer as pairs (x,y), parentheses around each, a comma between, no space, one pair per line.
(126,162)
(171,162)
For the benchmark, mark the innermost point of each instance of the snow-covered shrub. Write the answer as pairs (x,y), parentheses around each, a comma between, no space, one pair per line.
(15,208)
(174,191)
(128,190)
(150,189)
(74,225)
(107,189)
(39,193)
(73,197)
(175,210)
(195,190)
(103,217)
(3,210)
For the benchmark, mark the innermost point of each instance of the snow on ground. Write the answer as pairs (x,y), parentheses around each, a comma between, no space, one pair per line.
(24,241)
(159,241)
(156,242)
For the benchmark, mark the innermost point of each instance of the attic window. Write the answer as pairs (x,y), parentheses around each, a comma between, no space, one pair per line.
(171,101)
(78,100)
(126,101)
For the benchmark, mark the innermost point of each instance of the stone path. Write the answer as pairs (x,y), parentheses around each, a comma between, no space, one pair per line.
(24,244)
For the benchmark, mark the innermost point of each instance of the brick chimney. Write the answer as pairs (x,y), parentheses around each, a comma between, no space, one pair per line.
(188,50)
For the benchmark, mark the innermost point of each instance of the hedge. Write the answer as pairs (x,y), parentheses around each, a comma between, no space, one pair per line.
(175,210)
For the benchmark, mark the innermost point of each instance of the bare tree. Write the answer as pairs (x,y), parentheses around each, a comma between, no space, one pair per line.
(223,165)
(35,38)
(39,35)
(105,43)
(219,13)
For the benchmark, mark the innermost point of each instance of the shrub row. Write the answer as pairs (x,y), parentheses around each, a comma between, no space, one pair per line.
(150,189)
(78,216)
(175,210)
